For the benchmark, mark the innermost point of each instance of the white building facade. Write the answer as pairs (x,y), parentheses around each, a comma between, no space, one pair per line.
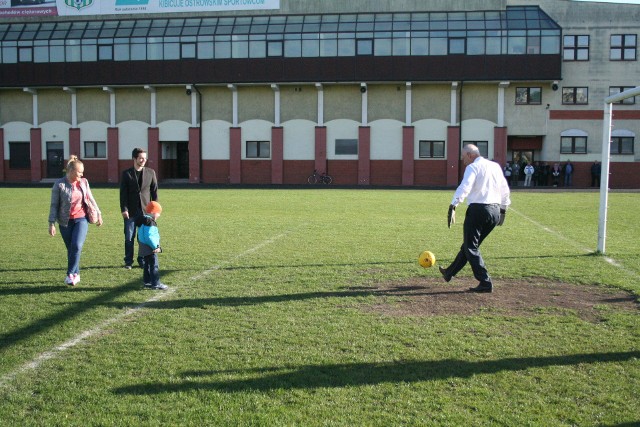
(381,93)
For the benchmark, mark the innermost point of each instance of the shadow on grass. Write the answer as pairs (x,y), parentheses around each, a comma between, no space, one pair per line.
(265,299)
(43,324)
(58,268)
(366,374)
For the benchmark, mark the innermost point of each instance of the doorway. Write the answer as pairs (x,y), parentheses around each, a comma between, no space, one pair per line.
(175,160)
(55,159)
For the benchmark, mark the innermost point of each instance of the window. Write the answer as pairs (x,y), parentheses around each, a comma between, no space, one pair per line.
(528,95)
(622,145)
(95,149)
(25,54)
(614,90)
(575,95)
(623,47)
(19,155)
(188,50)
(573,145)
(346,147)
(258,149)
(274,48)
(365,47)
(105,52)
(483,146)
(431,149)
(457,46)
(576,48)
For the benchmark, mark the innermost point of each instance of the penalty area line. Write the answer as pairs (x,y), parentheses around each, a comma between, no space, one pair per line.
(85,335)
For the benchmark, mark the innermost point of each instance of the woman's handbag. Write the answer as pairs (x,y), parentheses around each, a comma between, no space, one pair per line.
(91,211)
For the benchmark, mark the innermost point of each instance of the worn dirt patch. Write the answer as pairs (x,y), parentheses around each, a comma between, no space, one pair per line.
(422,296)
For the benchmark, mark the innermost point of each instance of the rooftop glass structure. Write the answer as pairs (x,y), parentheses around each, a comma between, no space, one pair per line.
(523,30)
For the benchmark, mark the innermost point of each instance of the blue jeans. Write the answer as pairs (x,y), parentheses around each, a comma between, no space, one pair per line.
(130,241)
(151,270)
(74,235)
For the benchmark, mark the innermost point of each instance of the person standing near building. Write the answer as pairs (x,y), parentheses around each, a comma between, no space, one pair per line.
(69,195)
(507,173)
(515,175)
(555,173)
(488,197)
(596,170)
(568,174)
(138,187)
(528,174)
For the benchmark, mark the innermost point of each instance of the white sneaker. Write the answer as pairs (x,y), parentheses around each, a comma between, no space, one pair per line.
(75,280)
(69,280)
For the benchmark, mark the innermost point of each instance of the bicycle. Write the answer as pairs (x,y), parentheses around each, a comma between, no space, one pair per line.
(319,178)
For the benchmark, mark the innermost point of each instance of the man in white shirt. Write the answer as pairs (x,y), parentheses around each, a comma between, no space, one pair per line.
(487,194)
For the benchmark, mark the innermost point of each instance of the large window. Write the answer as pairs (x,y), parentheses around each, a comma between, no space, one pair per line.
(622,145)
(431,149)
(346,147)
(258,150)
(528,95)
(623,47)
(575,95)
(19,155)
(95,149)
(576,48)
(614,90)
(573,145)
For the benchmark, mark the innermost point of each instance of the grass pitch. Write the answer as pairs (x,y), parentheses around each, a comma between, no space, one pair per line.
(267,324)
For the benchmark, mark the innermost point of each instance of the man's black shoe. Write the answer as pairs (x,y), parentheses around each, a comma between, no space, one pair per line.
(443,271)
(482,289)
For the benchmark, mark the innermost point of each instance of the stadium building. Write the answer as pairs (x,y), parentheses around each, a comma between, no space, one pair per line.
(376,93)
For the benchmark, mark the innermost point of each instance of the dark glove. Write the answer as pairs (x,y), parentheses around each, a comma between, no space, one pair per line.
(503,213)
(451,216)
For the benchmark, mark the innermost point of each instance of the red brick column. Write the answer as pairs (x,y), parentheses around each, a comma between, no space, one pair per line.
(277,155)
(408,150)
(320,163)
(74,141)
(453,155)
(235,154)
(153,150)
(36,154)
(194,155)
(364,155)
(500,145)
(113,155)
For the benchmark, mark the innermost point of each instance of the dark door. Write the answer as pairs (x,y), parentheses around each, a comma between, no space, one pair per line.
(55,159)
(183,160)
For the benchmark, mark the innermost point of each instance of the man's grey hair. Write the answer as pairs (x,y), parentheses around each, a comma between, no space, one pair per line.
(470,148)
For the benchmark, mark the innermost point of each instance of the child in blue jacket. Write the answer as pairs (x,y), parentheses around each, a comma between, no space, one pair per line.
(149,246)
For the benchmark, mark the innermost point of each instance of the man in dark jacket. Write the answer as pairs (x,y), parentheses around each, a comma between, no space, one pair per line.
(138,187)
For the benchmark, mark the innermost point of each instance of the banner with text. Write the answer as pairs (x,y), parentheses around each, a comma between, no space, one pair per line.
(16,8)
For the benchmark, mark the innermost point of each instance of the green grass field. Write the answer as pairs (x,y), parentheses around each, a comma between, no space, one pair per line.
(267,320)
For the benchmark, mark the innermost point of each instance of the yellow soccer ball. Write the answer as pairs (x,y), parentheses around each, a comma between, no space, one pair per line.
(427,259)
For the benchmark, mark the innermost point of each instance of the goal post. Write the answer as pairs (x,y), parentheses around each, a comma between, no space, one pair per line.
(606,156)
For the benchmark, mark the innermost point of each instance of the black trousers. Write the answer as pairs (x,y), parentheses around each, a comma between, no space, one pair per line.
(479,221)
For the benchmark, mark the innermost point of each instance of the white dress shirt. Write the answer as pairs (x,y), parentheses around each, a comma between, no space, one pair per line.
(483,182)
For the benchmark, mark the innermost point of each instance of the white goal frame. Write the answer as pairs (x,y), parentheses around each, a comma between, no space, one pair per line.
(606,156)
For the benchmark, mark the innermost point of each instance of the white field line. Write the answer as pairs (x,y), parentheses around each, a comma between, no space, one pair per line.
(56,351)
(574,244)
